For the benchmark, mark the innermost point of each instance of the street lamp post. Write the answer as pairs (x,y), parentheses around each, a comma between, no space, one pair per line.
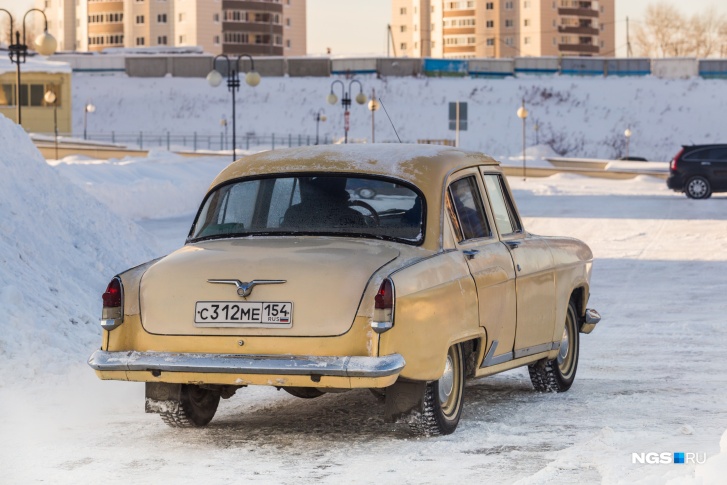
(627,134)
(522,113)
(374,106)
(89,108)
(50,98)
(223,123)
(319,117)
(346,101)
(252,78)
(45,45)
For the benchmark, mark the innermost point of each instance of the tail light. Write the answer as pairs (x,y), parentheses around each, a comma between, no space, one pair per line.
(673,164)
(112,314)
(384,308)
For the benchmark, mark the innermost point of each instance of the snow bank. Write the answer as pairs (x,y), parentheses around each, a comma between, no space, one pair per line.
(161,185)
(59,247)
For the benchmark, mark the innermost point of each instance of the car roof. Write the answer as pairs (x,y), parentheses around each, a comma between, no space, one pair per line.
(424,166)
(712,145)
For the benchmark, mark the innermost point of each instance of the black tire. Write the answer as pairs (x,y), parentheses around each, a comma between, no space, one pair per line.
(438,417)
(197,407)
(304,392)
(698,187)
(557,375)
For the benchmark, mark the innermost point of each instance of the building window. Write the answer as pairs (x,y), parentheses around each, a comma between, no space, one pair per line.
(236,38)
(402,46)
(402,28)
(508,23)
(526,23)
(490,24)
(434,44)
(287,43)
(181,17)
(555,41)
(603,44)
(162,18)
(139,19)
(526,40)
(140,41)
(216,18)
(402,11)
(162,40)
(182,39)
(490,6)
(287,22)
(216,40)
(491,41)
(526,4)
(509,5)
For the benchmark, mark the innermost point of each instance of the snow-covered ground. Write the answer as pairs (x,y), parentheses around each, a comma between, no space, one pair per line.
(651,377)
(578,117)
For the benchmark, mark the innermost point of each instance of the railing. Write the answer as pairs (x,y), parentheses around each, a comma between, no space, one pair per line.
(194,141)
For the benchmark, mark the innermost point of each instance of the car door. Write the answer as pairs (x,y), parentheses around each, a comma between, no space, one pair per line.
(718,167)
(534,275)
(489,262)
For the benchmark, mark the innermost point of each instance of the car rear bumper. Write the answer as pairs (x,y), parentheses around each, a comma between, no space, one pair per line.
(590,320)
(279,370)
(675,182)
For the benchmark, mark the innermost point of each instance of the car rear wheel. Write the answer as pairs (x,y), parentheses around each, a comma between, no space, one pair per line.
(557,375)
(698,188)
(196,408)
(442,406)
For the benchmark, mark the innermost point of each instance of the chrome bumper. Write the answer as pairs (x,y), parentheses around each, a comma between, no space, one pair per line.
(248,364)
(591,318)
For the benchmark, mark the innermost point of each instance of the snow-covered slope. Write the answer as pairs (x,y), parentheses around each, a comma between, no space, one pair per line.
(578,117)
(59,247)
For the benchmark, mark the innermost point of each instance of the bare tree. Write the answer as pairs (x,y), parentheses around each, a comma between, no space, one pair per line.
(666,32)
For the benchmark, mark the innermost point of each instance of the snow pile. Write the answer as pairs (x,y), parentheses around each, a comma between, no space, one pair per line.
(161,185)
(715,469)
(576,117)
(59,247)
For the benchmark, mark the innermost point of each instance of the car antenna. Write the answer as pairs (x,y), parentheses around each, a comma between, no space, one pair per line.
(387,115)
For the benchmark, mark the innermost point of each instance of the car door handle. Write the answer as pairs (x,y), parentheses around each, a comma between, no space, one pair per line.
(512,244)
(470,253)
(706,163)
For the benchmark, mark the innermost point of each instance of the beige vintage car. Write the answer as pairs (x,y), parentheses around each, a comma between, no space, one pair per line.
(290,278)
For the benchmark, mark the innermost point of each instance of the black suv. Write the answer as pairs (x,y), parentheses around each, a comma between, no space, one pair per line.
(699,170)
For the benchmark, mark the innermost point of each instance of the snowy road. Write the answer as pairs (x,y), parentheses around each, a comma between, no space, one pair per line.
(651,378)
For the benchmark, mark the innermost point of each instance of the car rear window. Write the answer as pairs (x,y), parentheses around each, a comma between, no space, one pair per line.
(307,205)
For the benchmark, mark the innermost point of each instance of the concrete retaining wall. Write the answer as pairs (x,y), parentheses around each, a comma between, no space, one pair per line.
(398,67)
(491,67)
(676,68)
(309,67)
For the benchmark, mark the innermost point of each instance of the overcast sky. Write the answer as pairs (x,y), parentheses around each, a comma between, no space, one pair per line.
(359,26)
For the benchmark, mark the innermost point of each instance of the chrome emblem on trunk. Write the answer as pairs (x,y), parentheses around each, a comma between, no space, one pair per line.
(245,288)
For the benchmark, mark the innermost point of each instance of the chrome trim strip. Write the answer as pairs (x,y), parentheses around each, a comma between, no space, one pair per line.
(534,350)
(248,364)
(381,327)
(109,324)
(490,358)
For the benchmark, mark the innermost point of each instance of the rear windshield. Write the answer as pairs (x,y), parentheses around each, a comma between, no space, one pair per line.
(306,205)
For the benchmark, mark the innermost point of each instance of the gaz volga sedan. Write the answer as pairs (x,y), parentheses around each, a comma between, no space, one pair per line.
(290,278)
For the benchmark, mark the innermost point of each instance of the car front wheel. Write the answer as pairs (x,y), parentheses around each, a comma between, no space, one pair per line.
(557,375)
(698,188)
(442,406)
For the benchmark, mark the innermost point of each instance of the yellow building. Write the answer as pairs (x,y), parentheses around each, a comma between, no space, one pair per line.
(463,29)
(37,77)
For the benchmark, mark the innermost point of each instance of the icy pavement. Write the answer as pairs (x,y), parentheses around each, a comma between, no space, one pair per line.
(651,379)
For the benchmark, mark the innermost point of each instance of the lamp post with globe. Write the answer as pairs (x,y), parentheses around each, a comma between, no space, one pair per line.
(45,45)
(89,108)
(522,113)
(252,78)
(374,106)
(319,117)
(346,101)
(50,98)
(628,134)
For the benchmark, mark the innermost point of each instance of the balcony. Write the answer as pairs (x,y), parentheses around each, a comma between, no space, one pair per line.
(578,48)
(579,12)
(578,30)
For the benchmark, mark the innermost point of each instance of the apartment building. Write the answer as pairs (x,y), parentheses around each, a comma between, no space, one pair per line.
(256,27)
(463,29)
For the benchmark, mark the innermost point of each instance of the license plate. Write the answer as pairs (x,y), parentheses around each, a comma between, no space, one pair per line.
(262,314)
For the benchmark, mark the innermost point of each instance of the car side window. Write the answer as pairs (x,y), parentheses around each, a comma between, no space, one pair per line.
(467,209)
(697,155)
(718,154)
(502,207)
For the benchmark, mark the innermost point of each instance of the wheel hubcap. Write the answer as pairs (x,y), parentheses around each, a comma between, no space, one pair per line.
(564,344)
(446,382)
(698,188)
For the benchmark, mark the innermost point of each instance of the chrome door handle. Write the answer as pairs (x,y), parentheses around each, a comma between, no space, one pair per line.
(470,253)
(512,244)
(706,163)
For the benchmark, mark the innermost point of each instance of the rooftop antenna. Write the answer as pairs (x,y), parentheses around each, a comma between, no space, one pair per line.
(387,115)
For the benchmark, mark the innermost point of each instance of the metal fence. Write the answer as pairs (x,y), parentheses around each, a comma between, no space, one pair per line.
(194,141)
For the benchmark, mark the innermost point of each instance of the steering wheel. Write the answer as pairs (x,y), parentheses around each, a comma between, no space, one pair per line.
(367,206)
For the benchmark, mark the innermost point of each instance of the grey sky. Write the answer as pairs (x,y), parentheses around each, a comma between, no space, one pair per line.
(359,26)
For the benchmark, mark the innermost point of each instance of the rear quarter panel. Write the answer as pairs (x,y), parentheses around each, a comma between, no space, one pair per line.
(436,306)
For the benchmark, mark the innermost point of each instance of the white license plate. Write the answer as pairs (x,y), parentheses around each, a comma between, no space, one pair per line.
(262,314)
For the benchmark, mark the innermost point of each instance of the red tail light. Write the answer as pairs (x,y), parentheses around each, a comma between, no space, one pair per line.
(112,297)
(673,164)
(384,299)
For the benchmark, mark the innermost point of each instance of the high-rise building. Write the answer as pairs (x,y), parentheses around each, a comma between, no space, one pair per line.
(503,28)
(256,27)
